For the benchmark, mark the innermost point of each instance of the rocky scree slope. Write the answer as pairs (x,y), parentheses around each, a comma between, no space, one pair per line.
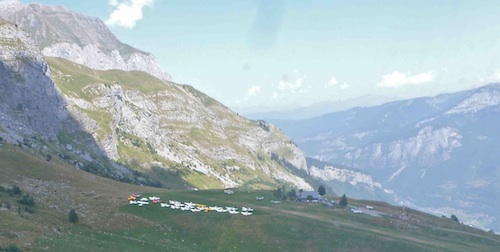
(59,32)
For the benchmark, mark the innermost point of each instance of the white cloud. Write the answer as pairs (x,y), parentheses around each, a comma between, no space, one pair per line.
(254,90)
(290,86)
(396,79)
(344,86)
(492,78)
(127,12)
(275,96)
(333,82)
(496,76)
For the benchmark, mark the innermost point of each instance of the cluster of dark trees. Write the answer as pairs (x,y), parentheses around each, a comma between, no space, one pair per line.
(26,201)
(279,194)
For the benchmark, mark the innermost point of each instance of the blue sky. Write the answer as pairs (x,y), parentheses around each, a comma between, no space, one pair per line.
(277,54)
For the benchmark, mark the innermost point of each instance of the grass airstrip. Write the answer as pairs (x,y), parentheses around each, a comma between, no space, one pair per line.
(289,226)
(109,223)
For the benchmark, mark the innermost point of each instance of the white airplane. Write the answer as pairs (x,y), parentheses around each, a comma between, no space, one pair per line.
(246,209)
(246,213)
(144,199)
(154,198)
(164,205)
(220,210)
(190,204)
(132,202)
(357,211)
(259,198)
(231,209)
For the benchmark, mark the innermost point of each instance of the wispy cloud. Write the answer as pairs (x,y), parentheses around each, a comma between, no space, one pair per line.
(254,90)
(495,77)
(333,82)
(344,86)
(286,85)
(396,79)
(127,12)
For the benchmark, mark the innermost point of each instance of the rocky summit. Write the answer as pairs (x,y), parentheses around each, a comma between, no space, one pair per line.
(59,32)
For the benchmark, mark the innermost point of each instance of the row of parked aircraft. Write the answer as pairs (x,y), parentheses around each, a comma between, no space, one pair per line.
(135,199)
(187,206)
(195,207)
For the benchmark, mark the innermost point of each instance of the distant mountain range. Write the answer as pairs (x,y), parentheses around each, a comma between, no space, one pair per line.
(440,153)
(314,110)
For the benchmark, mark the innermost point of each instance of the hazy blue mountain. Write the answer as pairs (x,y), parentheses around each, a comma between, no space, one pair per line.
(438,153)
(313,110)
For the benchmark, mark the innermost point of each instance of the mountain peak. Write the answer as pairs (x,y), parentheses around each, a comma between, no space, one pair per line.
(87,41)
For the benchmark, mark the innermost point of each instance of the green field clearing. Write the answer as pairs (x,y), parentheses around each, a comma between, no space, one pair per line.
(109,223)
(289,226)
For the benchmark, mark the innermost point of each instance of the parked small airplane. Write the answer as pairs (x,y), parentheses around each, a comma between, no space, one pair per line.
(246,209)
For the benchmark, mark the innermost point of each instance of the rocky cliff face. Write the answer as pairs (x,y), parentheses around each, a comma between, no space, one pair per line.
(86,40)
(29,103)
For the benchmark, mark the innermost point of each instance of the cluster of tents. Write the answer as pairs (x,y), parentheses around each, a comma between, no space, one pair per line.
(187,206)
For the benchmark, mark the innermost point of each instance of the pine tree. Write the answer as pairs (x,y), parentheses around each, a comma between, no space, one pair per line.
(321,190)
(73,216)
(343,201)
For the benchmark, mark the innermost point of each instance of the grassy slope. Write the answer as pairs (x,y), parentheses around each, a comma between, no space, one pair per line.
(288,226)
(108,223)
(57,187)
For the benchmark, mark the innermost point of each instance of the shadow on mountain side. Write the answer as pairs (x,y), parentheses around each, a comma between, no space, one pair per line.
(34,113)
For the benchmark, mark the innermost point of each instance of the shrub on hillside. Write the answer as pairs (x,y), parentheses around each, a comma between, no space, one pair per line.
(292,195)
(27,200)
(11,248)
(14,191)
(72,216)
